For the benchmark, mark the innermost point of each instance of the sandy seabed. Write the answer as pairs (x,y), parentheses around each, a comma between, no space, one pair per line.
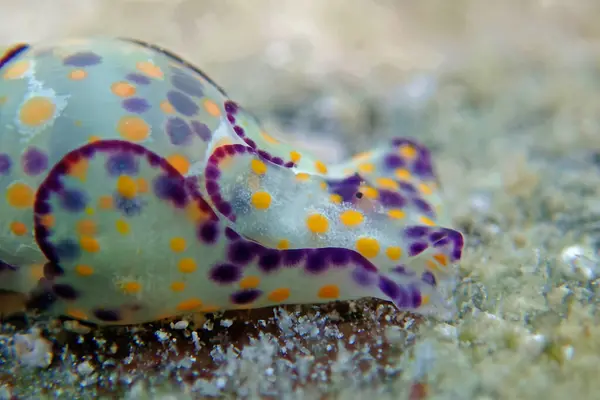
(504,93)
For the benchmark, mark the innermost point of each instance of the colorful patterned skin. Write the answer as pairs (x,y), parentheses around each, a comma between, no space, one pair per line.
(134,189)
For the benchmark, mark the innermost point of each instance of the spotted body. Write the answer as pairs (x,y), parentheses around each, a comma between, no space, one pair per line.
(134,189)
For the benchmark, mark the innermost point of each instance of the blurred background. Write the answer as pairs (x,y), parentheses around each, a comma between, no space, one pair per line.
(504,92)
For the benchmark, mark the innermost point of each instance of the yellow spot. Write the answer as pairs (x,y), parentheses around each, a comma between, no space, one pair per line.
(394,253)
(37,111)
(387,183)
(20,195)
(77,314)
(89,211)
(408,151)
(258,167)
(320,167)
(17,70)
(425,300)
(187,265)
(324,185)
(366,168)
(261,200)
(150,69)
(94,139)
(189,304)
(425,189)
(131,287)
(396,213)
(87,227)
(283,244)
(441,258)
(126,186)
(105,202)
(142,185)
(302,176)
(84,270)
(195,213)
(295,156)
(122,227)
(427,221)
(178,286)
(18,228)
(77,74)
(268,138)
(351,218)
(317,223)
(279,295)
(178,244)
(402,174)
(180,163)
(432,265)
(89,244)
(212,108)
(48,220)
(368,247)
(250,282)
(133,128)
(335,198)
(123,89)
(329,292)
(369,192)
(166,107)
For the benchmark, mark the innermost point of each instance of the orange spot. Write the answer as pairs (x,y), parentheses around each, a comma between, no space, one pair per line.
(329,292)
(142,185)
(351,218)
(283,244)
(279,295)
(150,69)
(402,174)
(37,111)
(18,228)
(387,183)
(187,265)
(47,220)
(89,244)
(427,221)
(396,214)
(94,139)
(302,176)
(210,309)
(126,186)
(84,270)
(17,70)
(19,195)
(77,314)
(261,200)
(295,156)
(320,167)
(370,193)
(131,287)
(393,253)
(250,282)
(408,151)
(212,108)
(122,227)
(123,89)
(105,202)
(425,189)
(195,213)
(166,107)
(36,271)
(180,163)
(268,138)
(77,74)
(366,168)
(317,223)
(178,286)
(87,227)
(336,199)
(189,304)
(258,167)
(79,169)
(178,244)
(441,258)
(368,247)
(133,128)
(323,185)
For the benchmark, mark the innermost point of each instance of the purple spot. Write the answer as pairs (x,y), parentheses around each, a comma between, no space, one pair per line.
(121,163)
(107,315)
(315,262)
(6,266)
(393,161)
(422,205)
(402,299)
(136,105)
(52,270)
(442,242)
(5,164)
(34,161)
(269,260)
(73,200)
(179,131)
(231,234)
(182,104)
(187,84)
(428,278)
(402,270)
(209,232)
(407,187)
(422,167)
(129,207)
(82,59)
(202,130)
(346,188)
(242,252)
(416,231)
(291,258)
(414,296)
(138,78)
(65,291)
(416,248)
(245,296)
(391,199)
(363,277)
(67,250)
(339,256)
(389,287)
(170,188)
(211,172)
(225,274)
